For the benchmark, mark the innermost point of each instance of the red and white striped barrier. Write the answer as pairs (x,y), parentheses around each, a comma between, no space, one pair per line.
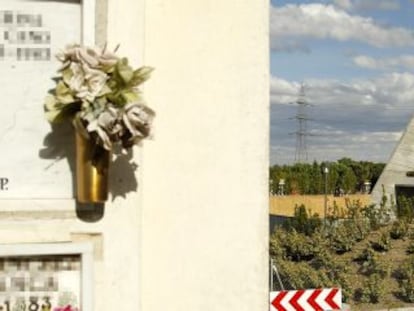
(306,300)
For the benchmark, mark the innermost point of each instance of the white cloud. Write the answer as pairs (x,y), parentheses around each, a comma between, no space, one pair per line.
(327,133)
(405,62)
(373,146)
(282,91)
(361,118)
(329,22)
(368,4)
(366,62)
(393,90)
(361,145)
(378,137)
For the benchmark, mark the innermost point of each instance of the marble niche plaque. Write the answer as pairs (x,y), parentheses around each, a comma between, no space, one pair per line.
(40,283)
(31,33)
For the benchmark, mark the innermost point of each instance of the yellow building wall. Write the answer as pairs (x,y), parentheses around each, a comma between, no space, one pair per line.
(285,205)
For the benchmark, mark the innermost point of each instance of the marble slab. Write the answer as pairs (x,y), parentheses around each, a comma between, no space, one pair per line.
(33,162)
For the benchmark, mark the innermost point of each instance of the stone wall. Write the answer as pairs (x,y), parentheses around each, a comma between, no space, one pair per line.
(205,211)
(187,230)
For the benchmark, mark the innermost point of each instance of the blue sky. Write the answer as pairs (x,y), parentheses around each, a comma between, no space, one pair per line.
(356,60)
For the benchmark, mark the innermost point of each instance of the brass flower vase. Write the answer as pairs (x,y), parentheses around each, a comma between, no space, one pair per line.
(92,166)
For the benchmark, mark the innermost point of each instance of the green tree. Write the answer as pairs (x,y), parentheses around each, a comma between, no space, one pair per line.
(305,178)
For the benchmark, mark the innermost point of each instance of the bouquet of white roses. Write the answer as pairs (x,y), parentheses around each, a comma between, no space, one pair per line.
(99,92)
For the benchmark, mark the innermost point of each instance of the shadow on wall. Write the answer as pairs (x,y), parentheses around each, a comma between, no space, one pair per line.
(59,144)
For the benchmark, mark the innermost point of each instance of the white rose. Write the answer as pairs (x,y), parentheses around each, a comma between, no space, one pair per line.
(86,82)
(92,57)
(137,119)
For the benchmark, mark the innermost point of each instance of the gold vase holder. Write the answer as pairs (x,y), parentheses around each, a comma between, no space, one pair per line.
(92,170)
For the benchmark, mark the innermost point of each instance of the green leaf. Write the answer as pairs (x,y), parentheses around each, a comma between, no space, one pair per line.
(116,99)
(108,68)
(65,99)
(129,96)
(144,72)
(101,101)
(141,75)
(112,84)
(50,103)
(53,116)
(62,89)
(56,116)
(105,90)
(123,61)
(125,73)
(67,74)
